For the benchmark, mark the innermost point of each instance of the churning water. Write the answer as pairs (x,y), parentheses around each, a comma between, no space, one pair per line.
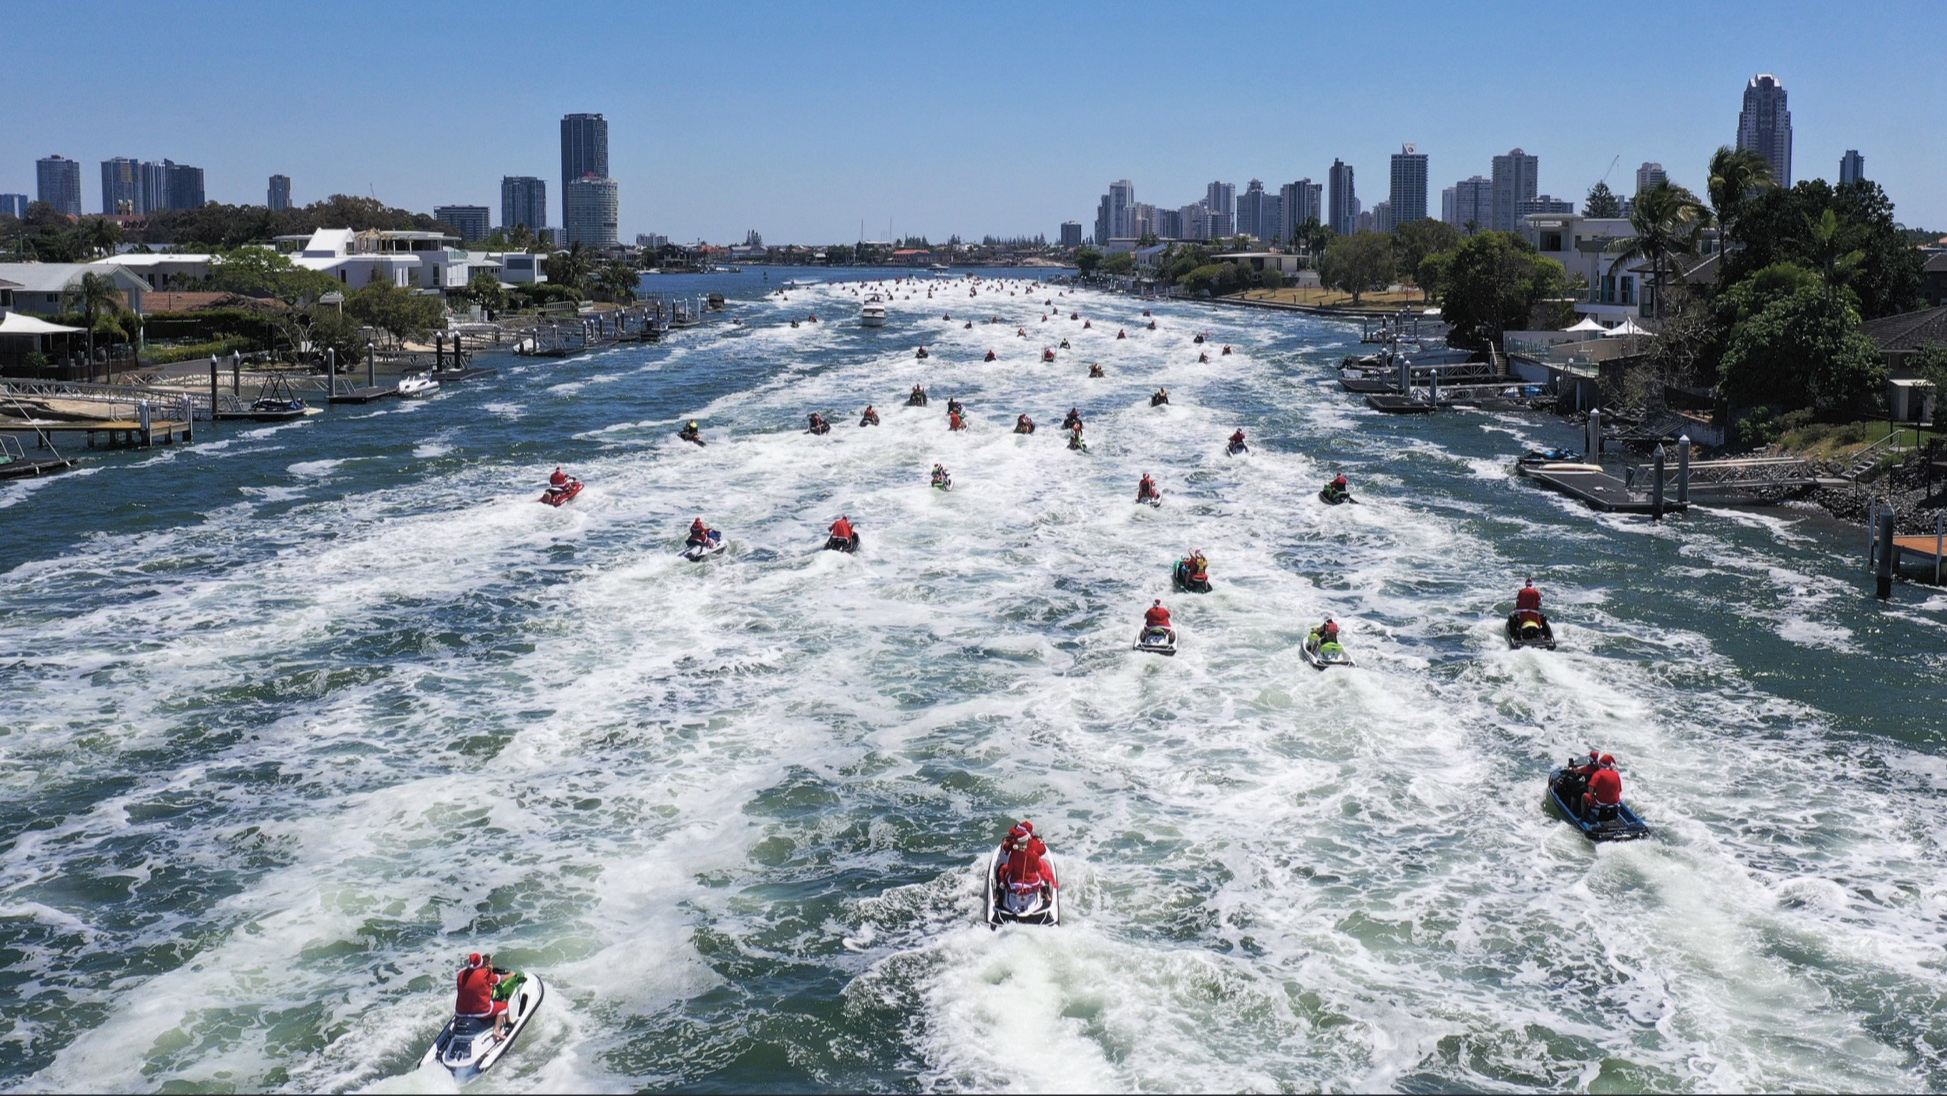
(295,718)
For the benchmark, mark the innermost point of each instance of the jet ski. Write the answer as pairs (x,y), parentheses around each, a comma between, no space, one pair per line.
(843,544)
(1149,498)
(1186,579)
(870,418)
(1157,640)
(1024,428)
(1158,400)
(1076,443)
(1235,448)
(1551,455)
(943,482)
(917,399)
(1617,823)
(555,496)
(1533,631)
(1323,655)
(690,435)
(710,545)
(467,1048)
(818,426)
(1332,496)
(1046,912)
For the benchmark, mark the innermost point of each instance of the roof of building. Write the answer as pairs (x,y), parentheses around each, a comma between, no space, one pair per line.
(1702,271)
(56,277)
(145,261)
(1908,330)
(1936,263)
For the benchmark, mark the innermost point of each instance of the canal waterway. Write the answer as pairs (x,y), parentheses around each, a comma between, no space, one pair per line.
(296,716)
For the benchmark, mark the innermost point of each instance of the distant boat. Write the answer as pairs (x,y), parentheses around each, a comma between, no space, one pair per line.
(873,313)
(938,268)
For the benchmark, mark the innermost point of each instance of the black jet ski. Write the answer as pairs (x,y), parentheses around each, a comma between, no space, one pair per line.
(1156,640)
(1158,400)
(843,544)
(917,399)
(1046,911)
(690,435)
(1529,628)
(710,545)
(1186,579)
(1333,496)
(1617,823)
(467,1047)
(818,426)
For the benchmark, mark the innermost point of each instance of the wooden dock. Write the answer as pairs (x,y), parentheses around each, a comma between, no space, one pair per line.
(121,433)
(364,393)
(1600,490)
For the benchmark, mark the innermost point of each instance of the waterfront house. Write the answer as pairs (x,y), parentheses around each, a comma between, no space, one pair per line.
(427,261)
(163,269)
(1592,247)
(1934,278)
(40,288)
(1288,265)
(1909,398)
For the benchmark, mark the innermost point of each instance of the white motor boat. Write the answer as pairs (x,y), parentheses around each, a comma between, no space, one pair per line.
(873,314)
(416,385)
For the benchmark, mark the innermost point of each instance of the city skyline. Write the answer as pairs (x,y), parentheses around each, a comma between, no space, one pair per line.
(796,166)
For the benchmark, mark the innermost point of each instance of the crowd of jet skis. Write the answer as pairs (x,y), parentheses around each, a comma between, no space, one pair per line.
(1021,885)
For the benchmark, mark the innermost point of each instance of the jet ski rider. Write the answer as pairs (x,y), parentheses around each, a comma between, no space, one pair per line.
(1156,616)
(476,993)
(1237,439)
(1527,603)
(699,533)
(559,480)
(1146,488)
(1605,787)
(842,528)
(1327,632)
(1026,875)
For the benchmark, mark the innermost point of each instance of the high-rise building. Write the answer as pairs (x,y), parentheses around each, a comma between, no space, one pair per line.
(1102,222)
(278,196)
(469,222)
(1364,221)
(523,201)
(1300,202)
(1472,199)
(1765,127)
(1221,198)
(153,177)
(591,212)
(13,205)
(1514,183)
(1649,175)
(1251,211)
(58,181)
(1169,224)
(1071,234)
(584,151)
(1407,202)
(121,187)
(1122,202)
(1852,167)
(1193,222)
(1542,204)
(1344,203)
(1382,216)
(185,185)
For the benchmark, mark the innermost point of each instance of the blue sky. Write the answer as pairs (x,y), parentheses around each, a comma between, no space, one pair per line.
(800,120)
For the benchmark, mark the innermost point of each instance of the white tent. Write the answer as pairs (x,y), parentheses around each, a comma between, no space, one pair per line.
(1588,324)
(1628,327)
(15,323)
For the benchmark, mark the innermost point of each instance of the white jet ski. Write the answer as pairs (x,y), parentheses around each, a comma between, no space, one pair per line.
(1157,641)
(416,385)
(1045,911)
(1323,655)
(695,552)
(467,1047)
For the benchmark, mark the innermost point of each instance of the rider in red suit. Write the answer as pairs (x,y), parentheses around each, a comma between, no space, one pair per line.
(1605,786)
(1156,616)
(476,996)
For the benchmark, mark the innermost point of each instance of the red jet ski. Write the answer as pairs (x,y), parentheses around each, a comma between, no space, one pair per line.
(555,496)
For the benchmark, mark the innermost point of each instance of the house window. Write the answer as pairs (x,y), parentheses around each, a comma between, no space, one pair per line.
(1551,241)
(1608,289)
(1628,291)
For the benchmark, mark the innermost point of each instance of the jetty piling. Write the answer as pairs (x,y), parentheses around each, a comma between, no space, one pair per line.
(1887,553)
(1594,448)
(1656,488)
(1683,470)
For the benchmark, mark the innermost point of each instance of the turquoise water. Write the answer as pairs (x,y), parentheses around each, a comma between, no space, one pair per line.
(297,715)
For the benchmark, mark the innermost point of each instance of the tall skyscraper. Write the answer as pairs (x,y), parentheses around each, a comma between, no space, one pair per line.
(1514,183)
(591,213)
(13,205)
(1407,202)
(1122,210)
(1649,175)
(1071,234)
(58,181)
(584,151)
(1381,217)
(1344,203)
(1765,127)
(1250,212)
(1193,222)
(154,180)
(1221,198)
(1852,167)
(469,222)
(523,201)
(185,185)
(1473,200)
(278,196)
(1300,202)
(121,187)
(1103,222)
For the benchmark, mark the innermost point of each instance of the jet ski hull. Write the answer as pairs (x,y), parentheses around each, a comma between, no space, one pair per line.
(555,498)
(1330,499)
(1323,659)
(1622,825)
(1184,580)
(1545,639)
(695,552)
(842,544)
(1157,641)
(1047,912)
(466,1046)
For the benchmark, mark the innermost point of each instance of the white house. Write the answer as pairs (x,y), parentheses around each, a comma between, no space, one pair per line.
(1593,247)
(40,287)
(410,260)
(1287,264)
(180,269)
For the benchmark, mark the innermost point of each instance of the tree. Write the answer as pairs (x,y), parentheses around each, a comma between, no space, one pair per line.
(1668,221)
(261,272)
(617,281)
(101,234)
(1780,225)
(1358,264)
(398,312)
(484,289)
(571,268)
(1736,176)
(1929,363)
(1415,240)
(1804,349)
(1492,284)
(1087,259)
(1119,263)
(100,305)
(1601,202)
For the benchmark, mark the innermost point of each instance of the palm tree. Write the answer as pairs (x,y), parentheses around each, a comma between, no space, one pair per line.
(1668,221)
(93,296)
(1736,176)
(1831,252)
